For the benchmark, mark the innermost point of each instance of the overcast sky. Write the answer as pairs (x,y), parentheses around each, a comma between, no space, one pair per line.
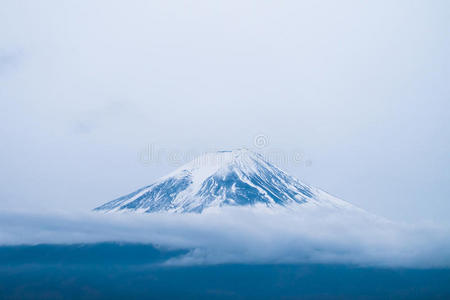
(360,89)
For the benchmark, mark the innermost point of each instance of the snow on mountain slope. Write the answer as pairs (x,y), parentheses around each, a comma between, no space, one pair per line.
(225,178)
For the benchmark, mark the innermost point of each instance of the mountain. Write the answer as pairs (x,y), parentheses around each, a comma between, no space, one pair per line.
(225,178)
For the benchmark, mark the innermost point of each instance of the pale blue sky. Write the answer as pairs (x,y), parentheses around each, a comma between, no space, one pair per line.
(360,88)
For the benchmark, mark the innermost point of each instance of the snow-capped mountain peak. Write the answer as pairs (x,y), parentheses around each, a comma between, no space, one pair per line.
(221,162)
(235,178)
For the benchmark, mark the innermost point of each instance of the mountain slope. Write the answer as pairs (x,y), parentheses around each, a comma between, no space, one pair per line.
(236,178)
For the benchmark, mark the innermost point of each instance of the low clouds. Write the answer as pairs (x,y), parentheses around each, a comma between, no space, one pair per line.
(241,235)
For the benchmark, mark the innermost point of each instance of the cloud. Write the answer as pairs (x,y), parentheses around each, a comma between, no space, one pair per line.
(8,60)
(241,235)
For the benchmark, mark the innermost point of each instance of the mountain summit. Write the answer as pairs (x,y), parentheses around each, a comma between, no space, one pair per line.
(225,178)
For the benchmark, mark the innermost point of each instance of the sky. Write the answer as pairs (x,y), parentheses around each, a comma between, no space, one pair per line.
(354,94)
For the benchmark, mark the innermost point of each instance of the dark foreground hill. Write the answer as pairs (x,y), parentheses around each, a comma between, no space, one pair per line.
(133,271)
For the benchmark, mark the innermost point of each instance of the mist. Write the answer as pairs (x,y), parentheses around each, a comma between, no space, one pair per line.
(246,235)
